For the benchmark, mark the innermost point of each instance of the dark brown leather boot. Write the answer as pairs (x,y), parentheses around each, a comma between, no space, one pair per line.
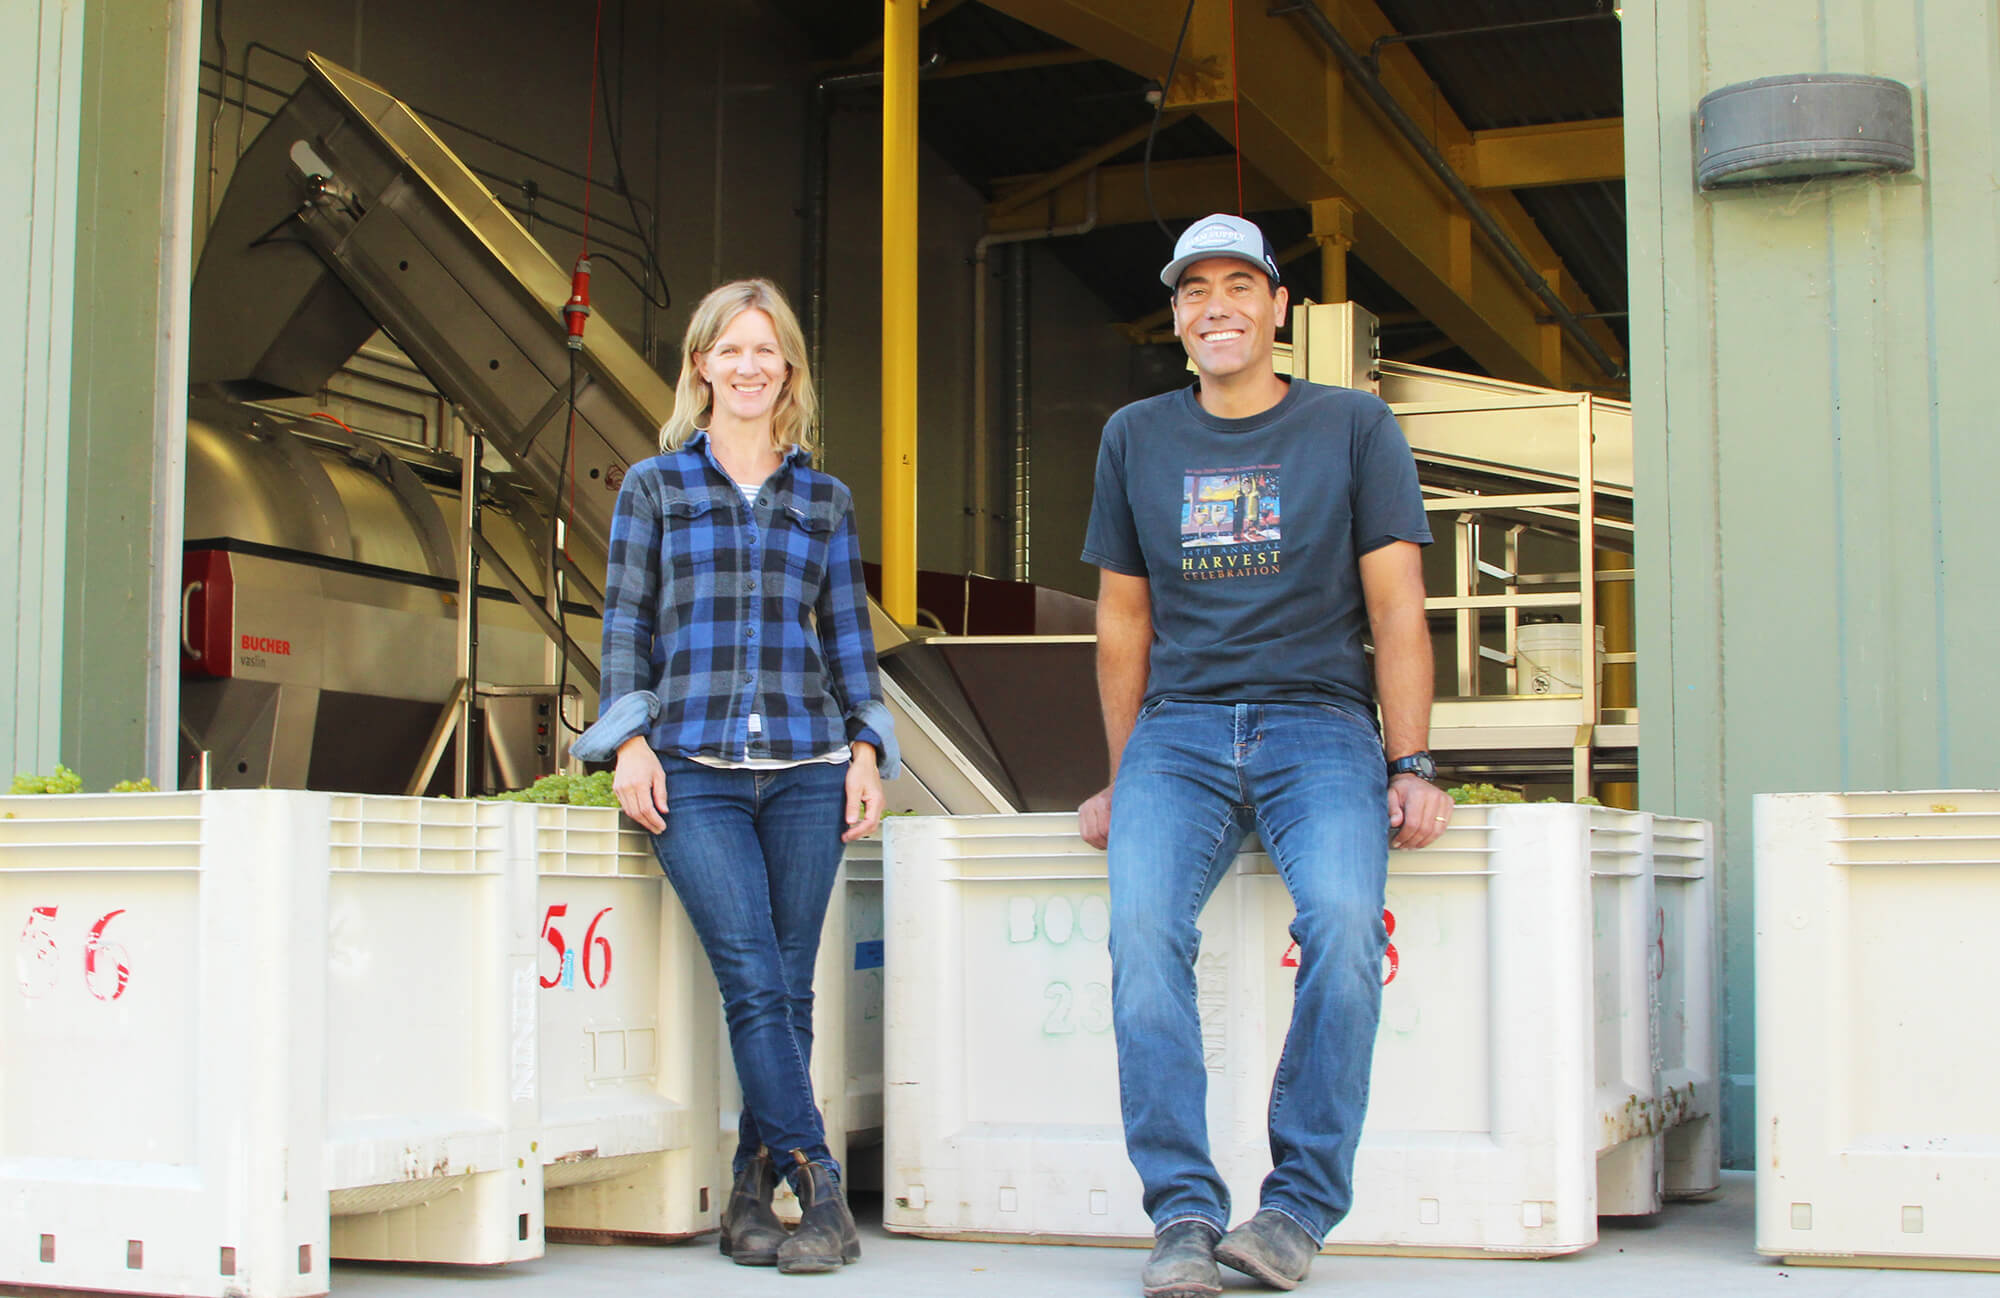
(751,1232)
(825,1237)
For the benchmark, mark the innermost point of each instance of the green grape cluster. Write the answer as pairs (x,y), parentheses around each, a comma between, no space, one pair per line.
(1483,795)
(1494,795)
(64,780)
(564,788)
(140,785)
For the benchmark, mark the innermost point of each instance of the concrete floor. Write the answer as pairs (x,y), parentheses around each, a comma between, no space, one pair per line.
(1692,1250)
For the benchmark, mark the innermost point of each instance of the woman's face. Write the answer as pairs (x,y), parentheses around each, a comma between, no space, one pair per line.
(745,370)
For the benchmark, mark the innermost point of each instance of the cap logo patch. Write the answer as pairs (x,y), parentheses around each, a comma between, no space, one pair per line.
(1213,236)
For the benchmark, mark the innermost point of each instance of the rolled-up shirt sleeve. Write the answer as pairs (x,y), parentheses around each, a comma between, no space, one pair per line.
(627,705)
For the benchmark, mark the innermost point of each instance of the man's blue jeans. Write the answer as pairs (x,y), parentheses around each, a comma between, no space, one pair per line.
(1194,779)
(753,856)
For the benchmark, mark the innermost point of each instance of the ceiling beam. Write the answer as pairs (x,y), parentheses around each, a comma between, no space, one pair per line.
(1076,167)
(1526,157)
(1181,191)
(1315,138)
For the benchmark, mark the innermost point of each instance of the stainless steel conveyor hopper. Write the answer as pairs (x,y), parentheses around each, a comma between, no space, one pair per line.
(348,214)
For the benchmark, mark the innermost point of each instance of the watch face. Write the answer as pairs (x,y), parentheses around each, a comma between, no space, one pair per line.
(1417,764)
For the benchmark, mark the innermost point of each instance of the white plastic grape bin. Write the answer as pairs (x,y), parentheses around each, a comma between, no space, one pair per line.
(162,1114)
(865,953)
(1877,1137)
(1489,1105)
(1630,1114)
(431,1107)
(628,1065)
(1687,981)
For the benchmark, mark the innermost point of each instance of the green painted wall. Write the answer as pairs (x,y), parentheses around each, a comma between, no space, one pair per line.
(41,57)
(128,385)
(1813,391)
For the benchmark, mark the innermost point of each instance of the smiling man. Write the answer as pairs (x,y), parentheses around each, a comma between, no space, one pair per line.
(1238,697)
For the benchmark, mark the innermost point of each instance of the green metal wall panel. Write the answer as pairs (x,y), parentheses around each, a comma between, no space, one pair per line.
(1812,388)
(41,55)
(128,390)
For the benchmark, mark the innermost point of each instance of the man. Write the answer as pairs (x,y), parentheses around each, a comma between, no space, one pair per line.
(1238,697)
(1246,507)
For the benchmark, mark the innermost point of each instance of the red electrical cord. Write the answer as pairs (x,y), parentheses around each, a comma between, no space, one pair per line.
(1236,104)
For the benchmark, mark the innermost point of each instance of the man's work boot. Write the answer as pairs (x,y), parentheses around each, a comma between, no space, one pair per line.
(825,1237)
(751,1232)
(1183,1263)
(1269,1247)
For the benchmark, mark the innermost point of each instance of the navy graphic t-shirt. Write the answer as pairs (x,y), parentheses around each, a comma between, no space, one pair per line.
(1250,534)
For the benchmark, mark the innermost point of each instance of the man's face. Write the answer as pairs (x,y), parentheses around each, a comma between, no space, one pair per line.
(1227,317)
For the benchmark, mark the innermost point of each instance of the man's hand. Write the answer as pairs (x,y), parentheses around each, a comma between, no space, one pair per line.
(1093,818)
(640,784)
(1418,811)
(864,793)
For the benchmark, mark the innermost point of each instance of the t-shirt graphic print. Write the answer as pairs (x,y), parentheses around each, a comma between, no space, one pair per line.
(1230,523)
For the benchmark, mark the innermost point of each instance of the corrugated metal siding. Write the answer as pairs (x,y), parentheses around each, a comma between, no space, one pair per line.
(1813,392)
(41,54)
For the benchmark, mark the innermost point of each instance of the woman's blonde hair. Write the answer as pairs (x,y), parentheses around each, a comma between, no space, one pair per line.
(795,418)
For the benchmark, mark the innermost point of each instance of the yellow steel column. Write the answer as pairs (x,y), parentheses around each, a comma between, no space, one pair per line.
(899,309)
(1333,231)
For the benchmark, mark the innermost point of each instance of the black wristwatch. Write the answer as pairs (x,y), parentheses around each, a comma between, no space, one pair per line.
(1417,764)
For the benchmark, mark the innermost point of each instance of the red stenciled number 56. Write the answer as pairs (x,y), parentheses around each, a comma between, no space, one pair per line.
(105,974)
(595,957)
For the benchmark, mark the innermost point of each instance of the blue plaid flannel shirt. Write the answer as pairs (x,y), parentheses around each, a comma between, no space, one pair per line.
(715,612)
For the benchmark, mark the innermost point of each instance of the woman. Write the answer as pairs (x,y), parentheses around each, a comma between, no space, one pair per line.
(740,698)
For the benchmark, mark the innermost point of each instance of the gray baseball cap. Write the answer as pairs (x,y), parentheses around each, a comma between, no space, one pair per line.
(1221,235)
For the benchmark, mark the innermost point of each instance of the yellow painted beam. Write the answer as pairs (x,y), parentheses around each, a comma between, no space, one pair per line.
(899,309)
(1526,157)
(1333,231)
(1424,351)
(1181,190)
(1071,170)
(1313,137)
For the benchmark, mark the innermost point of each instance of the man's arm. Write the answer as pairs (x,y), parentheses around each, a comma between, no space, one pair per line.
(1392,584)
(1124,648)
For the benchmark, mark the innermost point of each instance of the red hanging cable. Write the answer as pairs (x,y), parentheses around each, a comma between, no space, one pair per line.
(1236,103)
(591,133)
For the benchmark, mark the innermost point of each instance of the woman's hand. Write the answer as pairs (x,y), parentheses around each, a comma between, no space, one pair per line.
(641,784)
(864,793)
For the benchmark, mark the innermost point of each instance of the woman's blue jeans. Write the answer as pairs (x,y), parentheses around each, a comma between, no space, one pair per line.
(1194,779)
(753,856)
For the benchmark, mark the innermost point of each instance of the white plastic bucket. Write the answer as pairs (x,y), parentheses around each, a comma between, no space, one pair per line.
(1549,660)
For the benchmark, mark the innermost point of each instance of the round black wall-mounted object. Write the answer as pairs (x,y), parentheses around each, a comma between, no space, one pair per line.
(1799,127)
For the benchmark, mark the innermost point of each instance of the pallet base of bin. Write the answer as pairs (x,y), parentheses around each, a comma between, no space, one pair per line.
(1890,1261)
(473,1219)
(632,1198)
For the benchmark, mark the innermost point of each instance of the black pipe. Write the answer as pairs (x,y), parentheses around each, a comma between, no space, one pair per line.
(1357,68)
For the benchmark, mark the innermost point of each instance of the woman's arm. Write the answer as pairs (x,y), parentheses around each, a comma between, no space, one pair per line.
(849,644)
(626,702)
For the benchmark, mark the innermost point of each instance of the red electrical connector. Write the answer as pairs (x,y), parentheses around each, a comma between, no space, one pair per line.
(576,311)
